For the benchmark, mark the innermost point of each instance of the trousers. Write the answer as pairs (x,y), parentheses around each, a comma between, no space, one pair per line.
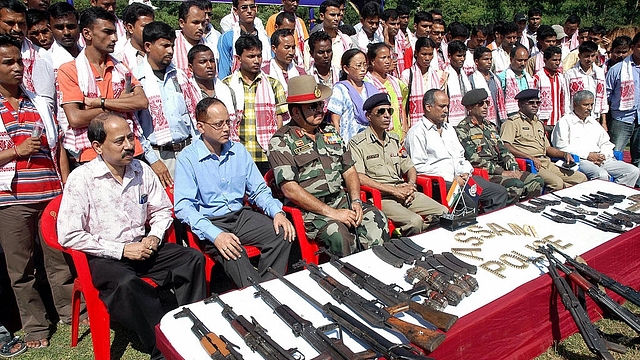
(410,219)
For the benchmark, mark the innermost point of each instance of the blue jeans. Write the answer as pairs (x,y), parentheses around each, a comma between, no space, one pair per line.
(621,132)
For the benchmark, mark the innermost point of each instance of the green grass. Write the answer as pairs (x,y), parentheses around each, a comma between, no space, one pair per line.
(124,344)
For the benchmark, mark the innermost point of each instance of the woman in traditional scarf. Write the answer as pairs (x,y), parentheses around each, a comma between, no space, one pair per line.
(349,95)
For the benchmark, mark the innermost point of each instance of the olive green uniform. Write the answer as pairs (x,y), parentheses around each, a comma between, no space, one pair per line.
(485,150)
(527,135)
(317,165)
(384,163)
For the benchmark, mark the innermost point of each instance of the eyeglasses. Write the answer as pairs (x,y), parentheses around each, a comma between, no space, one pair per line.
(381,111)
(316,106)
(219,125)
(533,102)
(359,66)
(247,7)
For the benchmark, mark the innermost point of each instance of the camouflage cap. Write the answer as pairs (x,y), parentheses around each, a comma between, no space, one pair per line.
(304,89)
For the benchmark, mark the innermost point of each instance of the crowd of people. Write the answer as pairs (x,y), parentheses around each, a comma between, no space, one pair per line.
(110,111)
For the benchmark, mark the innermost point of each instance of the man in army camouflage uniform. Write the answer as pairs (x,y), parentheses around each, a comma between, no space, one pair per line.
(484,149)
(523,135)
(381,165)
(312,166)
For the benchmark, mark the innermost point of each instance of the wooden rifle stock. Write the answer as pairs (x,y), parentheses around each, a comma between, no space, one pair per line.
(421,336)
(440,319)
(213,345)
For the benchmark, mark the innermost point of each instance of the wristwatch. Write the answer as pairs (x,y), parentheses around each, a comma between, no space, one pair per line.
(357,201)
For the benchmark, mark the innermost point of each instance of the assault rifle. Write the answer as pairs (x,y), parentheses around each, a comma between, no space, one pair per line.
(596,294)
(589,333)
(372,311)
(218,348)
(376,341)
(392,295)
(602,279)
(329,348)
(254,335)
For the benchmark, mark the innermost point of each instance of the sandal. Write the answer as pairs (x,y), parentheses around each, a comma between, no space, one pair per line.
(38,344)
(13,348)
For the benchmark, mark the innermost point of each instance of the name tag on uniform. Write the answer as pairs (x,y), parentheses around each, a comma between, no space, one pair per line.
(374,156)
(477,137)
(331,138)
(301,149)
(525,128)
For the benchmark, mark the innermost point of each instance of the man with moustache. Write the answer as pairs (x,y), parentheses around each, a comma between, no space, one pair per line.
(282,66)
(313,167)
(484,78)
(435,149)
(331,16)
(95,82)
(214,175)
(515,79)
(38,29)
(322,70)
(121,32)
(135,17)
(167,125)
(105,211)
(501,55)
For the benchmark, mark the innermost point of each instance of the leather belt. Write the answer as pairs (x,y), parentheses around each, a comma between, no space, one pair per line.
(174,146)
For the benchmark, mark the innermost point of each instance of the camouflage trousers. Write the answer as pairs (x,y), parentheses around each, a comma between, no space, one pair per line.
(340,240)
(526,187)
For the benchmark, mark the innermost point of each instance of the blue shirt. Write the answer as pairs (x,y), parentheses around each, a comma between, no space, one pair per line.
(173,106)
(613,93)
(207,185)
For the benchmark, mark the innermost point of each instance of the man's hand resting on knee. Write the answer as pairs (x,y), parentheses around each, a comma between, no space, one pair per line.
(228,246)
(289,231)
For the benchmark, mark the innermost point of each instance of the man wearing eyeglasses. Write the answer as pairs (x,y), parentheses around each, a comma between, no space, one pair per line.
(312,166)
(485,150)
(382,165)
(523,135)
(213,176)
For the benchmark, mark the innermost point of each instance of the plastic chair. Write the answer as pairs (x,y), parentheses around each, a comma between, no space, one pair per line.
(375,195)
(434,187)
(526,165)
(308,248)
(618,155)
(481,172)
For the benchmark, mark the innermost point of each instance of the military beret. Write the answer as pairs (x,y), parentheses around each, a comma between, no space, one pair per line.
(376,100)
(474,96)
(528,94)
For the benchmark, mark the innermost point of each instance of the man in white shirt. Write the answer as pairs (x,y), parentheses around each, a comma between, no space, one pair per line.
(370,15)
(580,133)
(104,213)
(135,17)
(435,149)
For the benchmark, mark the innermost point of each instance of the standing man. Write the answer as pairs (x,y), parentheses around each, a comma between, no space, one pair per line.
(623,93)
(580,133)
(29,180)
(477,38)
(572,58)
(135,17)
(436,150)
(370,15)
(485,150)
(402,56)
(104,212)
(322,53)
(546,38)
(260,99)
(570,28)
(167,125)
(501,55)
(121,32)
(330,15)
(484,78)
(213,177)
(457,82)
(95,82)
(38,29)
(382,165)
(420,77)
(515,79)
(440,59)
(523,135)
(192,21)
(554,96)
(229,62)
(300,33)
(13,22)
(534,19)
(422,22)
(313,167)
(282,65)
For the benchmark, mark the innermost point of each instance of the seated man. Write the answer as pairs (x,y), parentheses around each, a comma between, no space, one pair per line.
(104,211)
(312,166)
(435,150)
(213,175)
(381,165)
(523,135)
(580,133)
(485,150)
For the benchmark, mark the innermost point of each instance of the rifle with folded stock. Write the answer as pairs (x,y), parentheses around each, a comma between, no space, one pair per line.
(254,335)
(373,311)
(596,294)
(328,348)
(392,295)
(589,333)
(218,348)
(602,279)
(379,343)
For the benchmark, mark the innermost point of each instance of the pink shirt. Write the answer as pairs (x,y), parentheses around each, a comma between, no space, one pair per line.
(99,216)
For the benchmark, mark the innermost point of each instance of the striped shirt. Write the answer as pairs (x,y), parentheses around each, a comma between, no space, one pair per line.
(247,128)
(36,180)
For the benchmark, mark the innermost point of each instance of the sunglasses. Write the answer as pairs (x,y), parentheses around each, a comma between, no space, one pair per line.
(381,111)
(533,102)
(316,105)
(486,102)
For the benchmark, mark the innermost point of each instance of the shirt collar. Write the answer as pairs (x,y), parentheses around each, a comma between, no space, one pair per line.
(99,168)
(373,138)
(204,152)
(576,120)
(256,80)
(431,126)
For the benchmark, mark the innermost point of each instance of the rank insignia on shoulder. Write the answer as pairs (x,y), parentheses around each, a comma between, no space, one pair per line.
(373,156)
(299,132)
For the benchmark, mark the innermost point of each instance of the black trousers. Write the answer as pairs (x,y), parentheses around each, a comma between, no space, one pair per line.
(134,303)
(256,229)
(494,196)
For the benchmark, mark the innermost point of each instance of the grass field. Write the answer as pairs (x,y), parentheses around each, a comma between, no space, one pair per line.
(124,344)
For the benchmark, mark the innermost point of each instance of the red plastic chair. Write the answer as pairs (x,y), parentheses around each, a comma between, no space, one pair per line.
(100,321)
(375,195)
(308,248)
(434,187)
(481,172)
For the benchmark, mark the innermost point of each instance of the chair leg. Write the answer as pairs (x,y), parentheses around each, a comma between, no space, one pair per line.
(75,312)
(100,331)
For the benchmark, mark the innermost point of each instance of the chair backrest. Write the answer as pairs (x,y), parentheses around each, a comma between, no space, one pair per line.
(48,223)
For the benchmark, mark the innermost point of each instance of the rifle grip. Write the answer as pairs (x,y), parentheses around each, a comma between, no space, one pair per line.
(423,337)
(440,319)
(212,341)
